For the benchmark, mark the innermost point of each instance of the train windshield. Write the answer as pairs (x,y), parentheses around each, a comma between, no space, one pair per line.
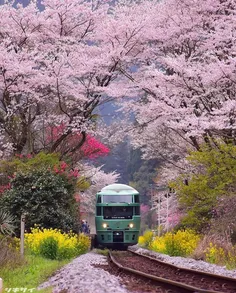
(117,198)
(117,212)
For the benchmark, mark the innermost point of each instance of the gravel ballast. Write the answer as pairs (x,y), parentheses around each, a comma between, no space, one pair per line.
(80,276)
(83,274)
(187,262)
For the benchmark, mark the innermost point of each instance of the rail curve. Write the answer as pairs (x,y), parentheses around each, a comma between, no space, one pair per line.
(170,276)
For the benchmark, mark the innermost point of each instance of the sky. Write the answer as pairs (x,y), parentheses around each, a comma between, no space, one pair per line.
(24,2)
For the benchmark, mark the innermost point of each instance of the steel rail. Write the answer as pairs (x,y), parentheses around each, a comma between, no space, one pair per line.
(186,269)
(161,280)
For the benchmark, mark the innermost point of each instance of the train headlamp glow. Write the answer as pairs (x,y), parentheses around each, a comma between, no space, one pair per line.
(104,225)
(131,225)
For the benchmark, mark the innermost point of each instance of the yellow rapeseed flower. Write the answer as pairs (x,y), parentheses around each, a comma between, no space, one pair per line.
(69,245)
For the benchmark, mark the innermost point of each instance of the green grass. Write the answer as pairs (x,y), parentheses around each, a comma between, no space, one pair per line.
(34,271)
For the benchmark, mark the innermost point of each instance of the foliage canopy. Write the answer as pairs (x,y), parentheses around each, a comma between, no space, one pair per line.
(41,188)
(214,177)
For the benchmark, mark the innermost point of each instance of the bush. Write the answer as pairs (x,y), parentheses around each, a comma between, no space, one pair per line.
(46,197)
(54,243)
(49,248)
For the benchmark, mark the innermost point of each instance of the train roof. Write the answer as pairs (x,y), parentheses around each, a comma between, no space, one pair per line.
(113,189)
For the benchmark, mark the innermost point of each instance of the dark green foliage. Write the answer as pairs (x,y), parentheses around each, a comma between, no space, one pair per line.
(49,247)
(46,198)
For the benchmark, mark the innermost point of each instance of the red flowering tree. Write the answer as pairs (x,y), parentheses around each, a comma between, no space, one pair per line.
(89,147)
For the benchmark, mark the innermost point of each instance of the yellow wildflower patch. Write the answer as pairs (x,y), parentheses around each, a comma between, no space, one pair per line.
(68,244)
(181,243)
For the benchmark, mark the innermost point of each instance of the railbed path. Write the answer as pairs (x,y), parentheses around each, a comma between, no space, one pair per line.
(187,262)
(91,273)
(83,275)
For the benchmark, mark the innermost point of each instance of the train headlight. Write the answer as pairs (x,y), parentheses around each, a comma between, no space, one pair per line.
(104,225)
(131,225)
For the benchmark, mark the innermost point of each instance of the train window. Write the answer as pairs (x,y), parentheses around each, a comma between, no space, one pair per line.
(122,198)
(118,212)
(137,210)
(99,211)
(99,199)
(136,198)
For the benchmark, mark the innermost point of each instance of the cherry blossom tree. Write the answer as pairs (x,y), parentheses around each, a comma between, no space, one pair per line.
(171,62)
(98,179)
(166,209)
(188,78)
(58,65)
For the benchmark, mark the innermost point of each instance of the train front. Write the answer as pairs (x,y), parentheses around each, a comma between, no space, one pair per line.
(117,216)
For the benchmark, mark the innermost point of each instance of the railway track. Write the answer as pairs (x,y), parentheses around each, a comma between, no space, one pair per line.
(170,278)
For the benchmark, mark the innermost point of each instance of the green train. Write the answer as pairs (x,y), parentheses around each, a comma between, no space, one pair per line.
(117,217)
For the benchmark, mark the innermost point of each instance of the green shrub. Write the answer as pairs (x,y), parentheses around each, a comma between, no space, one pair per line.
(46,197)
(65,252)
(49,248)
